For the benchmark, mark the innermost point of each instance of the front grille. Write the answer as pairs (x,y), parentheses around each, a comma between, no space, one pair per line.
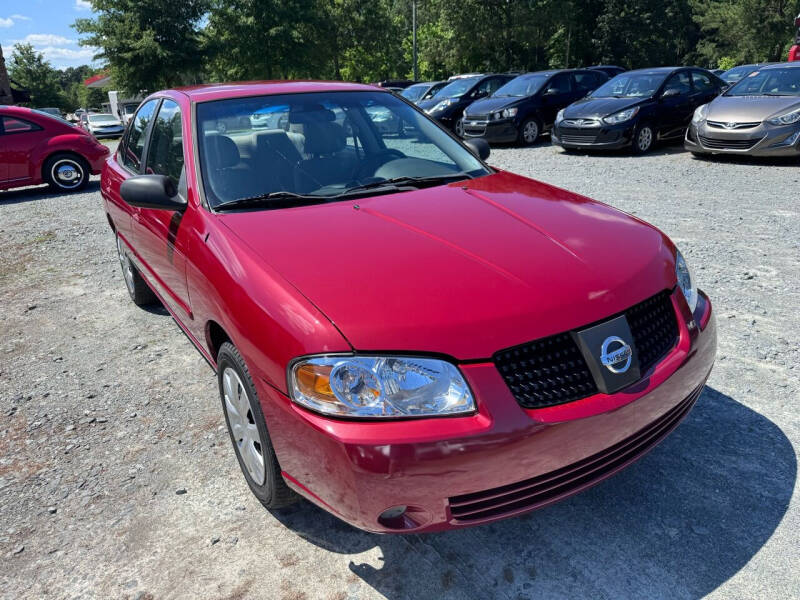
(580,123)
(724,125)
(547,488)
(720,144)
(552,370)
(476,117)
(577,139)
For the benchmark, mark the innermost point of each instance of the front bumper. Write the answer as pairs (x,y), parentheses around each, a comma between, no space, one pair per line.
(107,133)
(498,131)
(502,461)
(762,140)
(601,136)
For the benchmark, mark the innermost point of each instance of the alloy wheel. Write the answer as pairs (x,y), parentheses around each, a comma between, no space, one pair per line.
(530,132)
(127,267)
(460,128)
(243,427)
(644,139)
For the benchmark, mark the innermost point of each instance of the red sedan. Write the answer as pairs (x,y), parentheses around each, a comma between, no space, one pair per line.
(36,147)
(403,335)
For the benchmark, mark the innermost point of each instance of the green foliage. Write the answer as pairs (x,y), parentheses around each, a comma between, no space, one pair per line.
(31,71)
(726,62)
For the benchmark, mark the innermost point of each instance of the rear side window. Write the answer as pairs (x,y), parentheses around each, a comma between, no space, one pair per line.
(560,84)
(588,80)
(702,81)
(165,155)
(679,81)
(14,125)
(132,147)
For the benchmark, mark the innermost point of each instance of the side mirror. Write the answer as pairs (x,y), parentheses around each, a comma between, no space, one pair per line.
(479,147)
(152,191)
(550,92)
(671,93)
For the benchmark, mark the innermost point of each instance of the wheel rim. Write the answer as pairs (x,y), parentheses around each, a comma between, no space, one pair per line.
(126,264)
(459,128)
(242,425)
(645,138)
(530,132)
(66,173)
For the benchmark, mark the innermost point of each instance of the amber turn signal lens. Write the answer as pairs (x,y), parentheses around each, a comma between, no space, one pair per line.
(315,381)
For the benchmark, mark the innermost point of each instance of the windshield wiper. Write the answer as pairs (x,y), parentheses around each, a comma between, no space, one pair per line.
(281,199)
(396,183)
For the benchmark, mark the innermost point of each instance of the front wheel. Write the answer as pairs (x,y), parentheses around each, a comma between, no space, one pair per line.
(66,172)
(529,132)
(460,128)
(139,291)
(643,139)
(248,430)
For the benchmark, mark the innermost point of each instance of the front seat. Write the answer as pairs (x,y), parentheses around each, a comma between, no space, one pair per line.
(228,176)
(324,139)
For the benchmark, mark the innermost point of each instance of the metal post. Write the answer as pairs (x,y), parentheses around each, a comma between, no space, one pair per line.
(414,36)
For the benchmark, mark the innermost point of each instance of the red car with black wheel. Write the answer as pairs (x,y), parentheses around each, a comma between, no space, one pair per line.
(405,336)
(36,147)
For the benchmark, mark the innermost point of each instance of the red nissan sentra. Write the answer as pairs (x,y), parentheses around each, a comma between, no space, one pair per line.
(403,335)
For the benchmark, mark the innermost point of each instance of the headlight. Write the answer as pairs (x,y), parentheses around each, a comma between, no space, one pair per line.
(685,281)
(700,114)
(560,116)
(510,112)
(380,386)
(495,116)
(787,119)
(441,105)
(621,116)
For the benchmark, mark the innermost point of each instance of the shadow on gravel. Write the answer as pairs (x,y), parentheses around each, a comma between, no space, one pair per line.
(40,192)
(677,524)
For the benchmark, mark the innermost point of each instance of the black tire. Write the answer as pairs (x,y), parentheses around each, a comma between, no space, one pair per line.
(642,142)
(66,172)
(273,493)
(139,291)
(529,132)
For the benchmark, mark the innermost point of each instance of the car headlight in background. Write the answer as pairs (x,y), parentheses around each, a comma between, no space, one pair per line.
(380,386)
(787,119)
(685,281)
(700,114)
(510,112)
(441,106)
(560,116)
(622,116)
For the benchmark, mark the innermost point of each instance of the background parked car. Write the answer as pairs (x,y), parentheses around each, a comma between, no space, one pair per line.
(636,108)
(759,116)
(527,106)
(102,125)
(610,70)
(736,74)
(56,112)
(448,105)
(422,91)
(38,148)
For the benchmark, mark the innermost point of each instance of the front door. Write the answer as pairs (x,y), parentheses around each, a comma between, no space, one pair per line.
(557,94)
(17,140)
(676,110)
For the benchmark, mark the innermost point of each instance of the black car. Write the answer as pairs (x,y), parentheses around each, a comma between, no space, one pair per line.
(636,108)
(527,105)
(610,70)
(448,105)
(422,91)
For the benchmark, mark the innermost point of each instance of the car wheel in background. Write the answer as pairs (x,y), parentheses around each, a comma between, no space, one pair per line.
(460,128)
(529,131)
(139,291)
(65,172)
(643,139)
(248,430)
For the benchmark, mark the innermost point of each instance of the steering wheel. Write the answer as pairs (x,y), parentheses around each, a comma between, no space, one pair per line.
(374,162)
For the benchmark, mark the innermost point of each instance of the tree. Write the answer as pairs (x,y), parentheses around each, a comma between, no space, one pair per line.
(147,44)
(32,72)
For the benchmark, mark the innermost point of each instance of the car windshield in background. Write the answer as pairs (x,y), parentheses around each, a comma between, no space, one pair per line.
(736,73)
(102,119)
(521,87)
(280,149)
(457,88)
(414,92)
(630,85)
(768,82)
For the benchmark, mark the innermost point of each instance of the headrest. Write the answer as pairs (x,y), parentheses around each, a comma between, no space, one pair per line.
(310,114)
(222,151)
(323,137)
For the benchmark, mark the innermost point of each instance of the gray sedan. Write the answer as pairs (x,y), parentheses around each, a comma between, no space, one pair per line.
(759,116)
(104,125)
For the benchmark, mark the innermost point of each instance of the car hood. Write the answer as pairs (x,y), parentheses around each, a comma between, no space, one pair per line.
(747,109)
(486,106)
(106,124)
(464,269)
(599,107)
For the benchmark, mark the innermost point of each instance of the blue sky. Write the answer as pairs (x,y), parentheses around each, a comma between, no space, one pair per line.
(46,25)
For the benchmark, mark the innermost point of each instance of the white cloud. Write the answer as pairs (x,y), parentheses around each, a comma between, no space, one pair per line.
(44,39)
(20,18)
(60,54)
(83,5)
(6,22)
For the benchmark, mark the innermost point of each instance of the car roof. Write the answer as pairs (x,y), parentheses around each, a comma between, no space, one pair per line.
(783,65)
(219,91)
(657,70)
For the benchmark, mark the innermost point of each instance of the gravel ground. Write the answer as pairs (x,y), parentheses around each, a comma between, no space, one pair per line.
(117,479)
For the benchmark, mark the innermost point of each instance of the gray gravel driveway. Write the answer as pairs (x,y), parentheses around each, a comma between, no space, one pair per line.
(117,479)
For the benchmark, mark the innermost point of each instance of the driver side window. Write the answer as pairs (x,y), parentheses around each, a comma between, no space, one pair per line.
(132,146)
(680,82)
(559,84)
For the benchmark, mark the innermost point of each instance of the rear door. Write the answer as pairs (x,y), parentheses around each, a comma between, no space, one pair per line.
(558,93)
(706,88)
(676,110)
(159,237)
(19,137)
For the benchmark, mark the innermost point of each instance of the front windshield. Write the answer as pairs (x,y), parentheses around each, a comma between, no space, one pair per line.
(736,73)
(321,145)
(414,92)
(768,82)
(630,85)
(102,118)
(521,87)
(456,88)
